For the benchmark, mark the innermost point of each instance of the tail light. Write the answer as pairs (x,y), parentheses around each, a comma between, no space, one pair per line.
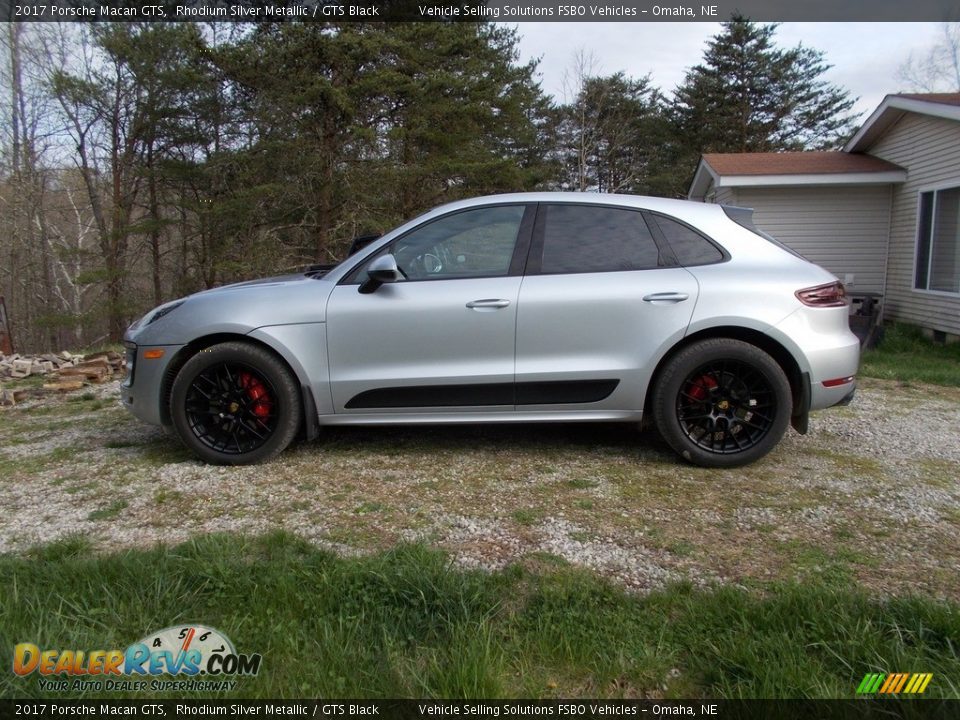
(829,295)
(837,382)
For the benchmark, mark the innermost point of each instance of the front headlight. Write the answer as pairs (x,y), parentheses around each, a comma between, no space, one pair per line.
(137,323)
(155,315)
(164,310)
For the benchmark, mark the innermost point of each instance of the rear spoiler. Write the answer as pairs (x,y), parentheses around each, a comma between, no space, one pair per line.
(744,218)
(741,216)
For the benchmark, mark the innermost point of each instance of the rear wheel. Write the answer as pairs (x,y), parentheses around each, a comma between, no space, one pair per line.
(235,404)
(722,403)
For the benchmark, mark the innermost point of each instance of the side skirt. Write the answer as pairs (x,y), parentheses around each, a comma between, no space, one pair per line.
(468,417)
(563,392)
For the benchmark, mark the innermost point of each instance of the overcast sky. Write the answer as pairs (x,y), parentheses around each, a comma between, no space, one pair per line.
(865,56)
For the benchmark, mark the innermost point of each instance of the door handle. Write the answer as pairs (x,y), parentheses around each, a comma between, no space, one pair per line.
(487,304)
(666,297)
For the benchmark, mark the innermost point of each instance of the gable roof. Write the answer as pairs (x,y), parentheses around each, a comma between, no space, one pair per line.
(846,167)
(894,107)
(791,168)
(795,163)
(940,98)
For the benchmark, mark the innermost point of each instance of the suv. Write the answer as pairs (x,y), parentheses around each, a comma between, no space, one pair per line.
(533,307)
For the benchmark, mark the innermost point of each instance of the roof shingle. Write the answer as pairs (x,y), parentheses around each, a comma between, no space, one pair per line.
(795,163)
(941,98)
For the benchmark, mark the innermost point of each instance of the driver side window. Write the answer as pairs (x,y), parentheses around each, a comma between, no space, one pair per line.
(473,243)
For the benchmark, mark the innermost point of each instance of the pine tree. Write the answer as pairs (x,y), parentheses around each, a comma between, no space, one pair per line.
(357,126)
(461,117)
(613,136)
(750,96)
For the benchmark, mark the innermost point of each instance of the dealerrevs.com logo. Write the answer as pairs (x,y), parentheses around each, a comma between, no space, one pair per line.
(200,657)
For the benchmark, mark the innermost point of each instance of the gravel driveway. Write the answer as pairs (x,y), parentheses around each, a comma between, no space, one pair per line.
(870,494)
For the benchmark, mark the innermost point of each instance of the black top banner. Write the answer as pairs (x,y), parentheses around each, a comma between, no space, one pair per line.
(470,11)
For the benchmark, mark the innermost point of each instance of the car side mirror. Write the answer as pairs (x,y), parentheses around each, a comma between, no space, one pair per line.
(381,271)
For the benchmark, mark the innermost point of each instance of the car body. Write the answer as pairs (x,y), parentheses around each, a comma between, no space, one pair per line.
(530,307)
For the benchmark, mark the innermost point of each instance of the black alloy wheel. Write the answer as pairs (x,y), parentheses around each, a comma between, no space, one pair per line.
(722,402)
(230,408)
(726,406)
(235,404)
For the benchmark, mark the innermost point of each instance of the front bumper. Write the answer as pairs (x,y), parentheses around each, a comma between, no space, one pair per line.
(143,388)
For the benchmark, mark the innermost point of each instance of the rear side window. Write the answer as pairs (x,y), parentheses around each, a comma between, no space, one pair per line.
(689,246)
(582,239)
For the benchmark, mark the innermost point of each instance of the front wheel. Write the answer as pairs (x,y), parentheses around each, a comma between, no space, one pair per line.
(235,404)
(722,403)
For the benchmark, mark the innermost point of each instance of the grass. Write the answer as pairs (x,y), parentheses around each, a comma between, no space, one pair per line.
(405,623)
(26,466)
(109,512)
(526,516)
(905,354)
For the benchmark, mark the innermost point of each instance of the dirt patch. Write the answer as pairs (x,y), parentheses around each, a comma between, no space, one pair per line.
(870,494)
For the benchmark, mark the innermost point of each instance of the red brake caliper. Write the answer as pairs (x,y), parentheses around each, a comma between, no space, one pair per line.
(257,392)
(701,387)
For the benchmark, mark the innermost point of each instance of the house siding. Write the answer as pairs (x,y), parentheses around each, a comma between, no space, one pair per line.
(930,150)
(719,196)
(725,196)
(844,229)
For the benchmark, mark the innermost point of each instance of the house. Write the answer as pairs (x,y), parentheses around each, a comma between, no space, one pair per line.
(882,214)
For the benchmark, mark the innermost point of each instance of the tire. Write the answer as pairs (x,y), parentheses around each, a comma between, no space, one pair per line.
(235,404)
(722,403)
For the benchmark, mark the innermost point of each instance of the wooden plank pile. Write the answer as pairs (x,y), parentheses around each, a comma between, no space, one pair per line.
(62,372)
(12,397)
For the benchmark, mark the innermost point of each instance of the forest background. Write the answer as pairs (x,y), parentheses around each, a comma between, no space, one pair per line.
(142,162)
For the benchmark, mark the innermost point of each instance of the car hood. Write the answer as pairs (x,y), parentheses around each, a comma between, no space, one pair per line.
(239,309)
(258,283)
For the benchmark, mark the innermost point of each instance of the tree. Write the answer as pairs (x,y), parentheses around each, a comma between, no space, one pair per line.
(162,60)
(356,126)
(303,91)
(939,69)
(459,115)
(123,110)
(104,117)
(750,96)
(613,135)
(140,162)
(28,270)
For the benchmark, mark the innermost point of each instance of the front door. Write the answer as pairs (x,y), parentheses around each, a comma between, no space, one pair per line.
(442,337)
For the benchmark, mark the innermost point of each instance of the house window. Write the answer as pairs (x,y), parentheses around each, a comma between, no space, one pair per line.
(938,241)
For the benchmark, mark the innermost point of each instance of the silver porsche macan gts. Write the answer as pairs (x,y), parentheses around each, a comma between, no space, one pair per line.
(536,307)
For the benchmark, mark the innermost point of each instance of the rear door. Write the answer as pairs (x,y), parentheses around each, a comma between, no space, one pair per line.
(597,304)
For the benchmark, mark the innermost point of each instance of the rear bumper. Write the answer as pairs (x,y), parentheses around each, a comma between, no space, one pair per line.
(826,350)
(822,396)
(848,398)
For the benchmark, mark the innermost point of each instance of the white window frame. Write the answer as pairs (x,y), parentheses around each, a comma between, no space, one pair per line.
(949,185)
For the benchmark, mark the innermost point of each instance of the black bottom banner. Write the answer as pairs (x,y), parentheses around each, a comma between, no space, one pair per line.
(430,709)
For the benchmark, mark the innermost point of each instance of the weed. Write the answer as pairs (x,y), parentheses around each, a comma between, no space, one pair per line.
(109,512)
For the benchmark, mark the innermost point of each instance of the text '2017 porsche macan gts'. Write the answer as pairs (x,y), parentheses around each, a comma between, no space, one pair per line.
(513,308)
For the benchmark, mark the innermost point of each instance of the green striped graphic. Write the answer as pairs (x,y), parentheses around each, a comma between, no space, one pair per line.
(894,683)
(870,683)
